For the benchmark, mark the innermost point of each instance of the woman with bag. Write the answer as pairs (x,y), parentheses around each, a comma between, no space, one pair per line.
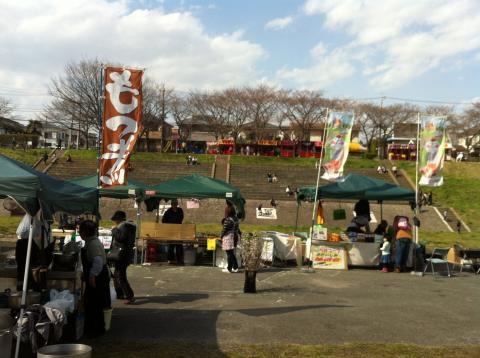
(230,236)
(123,242)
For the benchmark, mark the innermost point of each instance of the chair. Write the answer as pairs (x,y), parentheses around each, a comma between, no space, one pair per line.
(439,256)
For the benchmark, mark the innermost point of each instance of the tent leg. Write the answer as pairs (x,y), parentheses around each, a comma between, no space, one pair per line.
(24,288)
(137,233)
(381,210)
(296,217)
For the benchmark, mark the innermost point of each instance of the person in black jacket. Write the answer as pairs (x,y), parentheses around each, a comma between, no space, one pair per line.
(124,236)
(174,215)
(230,235)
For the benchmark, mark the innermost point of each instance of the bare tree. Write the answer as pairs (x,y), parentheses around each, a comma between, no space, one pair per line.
(262,107)
(303,109)
(469,124)
(76,97)
(6,107)
(208,109)
(180,108)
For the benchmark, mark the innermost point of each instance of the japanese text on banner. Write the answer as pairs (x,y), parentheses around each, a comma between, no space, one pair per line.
(121,123)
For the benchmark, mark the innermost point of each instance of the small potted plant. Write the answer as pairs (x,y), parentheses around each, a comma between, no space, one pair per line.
(252,245)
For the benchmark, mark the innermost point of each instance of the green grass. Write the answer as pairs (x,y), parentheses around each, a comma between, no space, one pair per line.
(29,156)
(8,224)
(353,161)
(143,156)
(352,350)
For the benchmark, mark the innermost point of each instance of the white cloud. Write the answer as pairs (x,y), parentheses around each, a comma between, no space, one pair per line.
(406,37)
(40,37)
(279,23)
(326,69)
(318,50)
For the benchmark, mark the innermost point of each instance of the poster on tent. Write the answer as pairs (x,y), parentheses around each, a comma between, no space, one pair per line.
(337,141)
(121,123)
(432,150)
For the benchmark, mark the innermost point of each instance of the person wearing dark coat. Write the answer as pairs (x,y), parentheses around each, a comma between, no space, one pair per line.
(97,280)
(124,236)
(174,215)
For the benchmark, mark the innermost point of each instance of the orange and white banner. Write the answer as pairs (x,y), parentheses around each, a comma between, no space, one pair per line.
(121,123)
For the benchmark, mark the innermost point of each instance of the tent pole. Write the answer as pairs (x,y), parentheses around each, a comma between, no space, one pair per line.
(24,287)
(416,177)
(381,210)
(137,233)
(314,210)
(296,217)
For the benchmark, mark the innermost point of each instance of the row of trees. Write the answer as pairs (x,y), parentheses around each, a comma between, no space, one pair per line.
(76,95)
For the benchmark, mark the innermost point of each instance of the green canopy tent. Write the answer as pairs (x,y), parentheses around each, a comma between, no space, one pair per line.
(134,188)
(358,187)
(200,187)
(33,191)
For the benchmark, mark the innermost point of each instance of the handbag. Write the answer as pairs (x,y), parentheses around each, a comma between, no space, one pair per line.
(115,251)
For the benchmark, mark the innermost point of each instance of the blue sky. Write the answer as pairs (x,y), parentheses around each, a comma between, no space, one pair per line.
(427,49)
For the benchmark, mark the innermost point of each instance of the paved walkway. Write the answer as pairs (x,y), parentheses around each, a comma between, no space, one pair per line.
(202,304)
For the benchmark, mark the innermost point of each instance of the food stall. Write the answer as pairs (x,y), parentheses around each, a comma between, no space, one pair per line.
(361,250)
(226,146)
(41,195)
(287,148)
(267,147)
(191,186)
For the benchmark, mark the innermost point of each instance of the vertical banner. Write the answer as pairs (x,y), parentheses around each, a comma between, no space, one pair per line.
(432,150)
(121,123)
(337,141)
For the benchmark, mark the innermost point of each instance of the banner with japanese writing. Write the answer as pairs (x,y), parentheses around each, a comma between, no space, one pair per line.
(121,123)
(337,140)
(432,150)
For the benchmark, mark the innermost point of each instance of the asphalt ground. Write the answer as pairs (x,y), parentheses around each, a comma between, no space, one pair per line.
(195,304)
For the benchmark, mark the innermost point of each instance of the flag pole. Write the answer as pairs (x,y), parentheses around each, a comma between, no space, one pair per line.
(101,100)
(416,176)
(314,210)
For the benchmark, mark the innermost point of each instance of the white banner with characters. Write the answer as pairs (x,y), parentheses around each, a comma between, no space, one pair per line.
(337,141)
(432,150)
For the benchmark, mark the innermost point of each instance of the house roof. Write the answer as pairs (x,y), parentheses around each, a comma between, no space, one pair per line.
(11,125)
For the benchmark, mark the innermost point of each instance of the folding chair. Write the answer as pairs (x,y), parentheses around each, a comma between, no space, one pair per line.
(439,256)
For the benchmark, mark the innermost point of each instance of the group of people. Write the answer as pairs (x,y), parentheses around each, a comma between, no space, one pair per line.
(397,238)
(381,169)
(272,177)
(192,160)
(290,192)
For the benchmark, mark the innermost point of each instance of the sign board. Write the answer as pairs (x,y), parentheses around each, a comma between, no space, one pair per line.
(267,213)
(162,208)
(211,244)
(193,204)
(329,257)
(229,195)
(150,192)
(319,233)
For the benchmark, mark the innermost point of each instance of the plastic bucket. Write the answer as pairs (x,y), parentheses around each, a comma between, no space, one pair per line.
(65,351)
(107,316)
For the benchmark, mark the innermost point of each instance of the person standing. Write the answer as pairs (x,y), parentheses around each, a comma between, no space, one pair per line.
(385,258)
(362,212)
(97,280)
(174,215)
(403,235)
(230,235)
(123,235)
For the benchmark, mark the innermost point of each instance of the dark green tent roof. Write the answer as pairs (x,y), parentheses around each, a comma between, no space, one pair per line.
(358,187)
(34,190)
(200,187)
(117,192)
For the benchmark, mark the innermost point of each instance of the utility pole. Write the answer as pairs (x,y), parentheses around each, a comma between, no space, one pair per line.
(162,119)
(380,140)
(45,133)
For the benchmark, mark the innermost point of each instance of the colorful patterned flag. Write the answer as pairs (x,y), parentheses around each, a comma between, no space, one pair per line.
(121,123)
(432,150)
(337,141)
